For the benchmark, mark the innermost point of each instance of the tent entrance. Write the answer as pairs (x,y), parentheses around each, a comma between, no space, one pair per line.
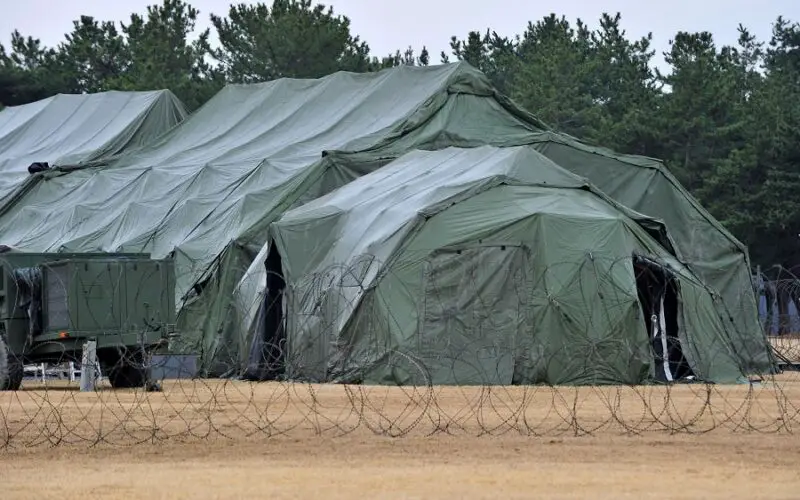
(268,349)
(274,352)
(474,304)
(659,300)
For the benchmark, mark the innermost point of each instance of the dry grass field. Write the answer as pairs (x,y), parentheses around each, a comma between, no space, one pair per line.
(215,439)
(709,467)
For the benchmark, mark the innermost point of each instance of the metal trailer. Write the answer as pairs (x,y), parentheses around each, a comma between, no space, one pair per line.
(53,303)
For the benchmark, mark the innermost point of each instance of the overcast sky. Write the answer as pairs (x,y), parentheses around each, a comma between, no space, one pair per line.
(388,25)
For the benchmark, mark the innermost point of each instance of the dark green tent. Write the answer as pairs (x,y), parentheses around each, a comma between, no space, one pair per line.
(490,266)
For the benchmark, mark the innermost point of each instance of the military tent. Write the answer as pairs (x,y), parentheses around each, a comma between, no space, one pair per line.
(71,130)
(489,266)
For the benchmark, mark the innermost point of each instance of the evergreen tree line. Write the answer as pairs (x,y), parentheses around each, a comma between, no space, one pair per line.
(725,119)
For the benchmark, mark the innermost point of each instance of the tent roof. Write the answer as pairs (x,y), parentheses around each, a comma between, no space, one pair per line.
(362,216)
(291,122)
(75,129)
(419,179)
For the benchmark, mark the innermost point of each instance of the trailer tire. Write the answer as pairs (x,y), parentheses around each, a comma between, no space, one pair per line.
(4,372)
(129,372)
(11,368)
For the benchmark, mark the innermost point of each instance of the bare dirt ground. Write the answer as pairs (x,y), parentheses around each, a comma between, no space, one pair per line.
(215,439)
(708,467)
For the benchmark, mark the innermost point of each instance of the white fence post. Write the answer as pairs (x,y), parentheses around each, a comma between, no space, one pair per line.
(89,366)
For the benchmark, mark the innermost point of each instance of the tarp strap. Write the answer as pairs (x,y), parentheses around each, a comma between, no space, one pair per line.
(662,332)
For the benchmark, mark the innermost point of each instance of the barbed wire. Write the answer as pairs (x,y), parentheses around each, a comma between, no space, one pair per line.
(482,344)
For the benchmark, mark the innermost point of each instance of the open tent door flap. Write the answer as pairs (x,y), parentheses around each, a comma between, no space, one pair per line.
(659,297)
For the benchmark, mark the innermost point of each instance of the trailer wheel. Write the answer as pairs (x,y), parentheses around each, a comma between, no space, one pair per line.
(128,372)
(3,362)
(11,368)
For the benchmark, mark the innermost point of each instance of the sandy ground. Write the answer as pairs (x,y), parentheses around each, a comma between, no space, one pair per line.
(214,439)
(708,467)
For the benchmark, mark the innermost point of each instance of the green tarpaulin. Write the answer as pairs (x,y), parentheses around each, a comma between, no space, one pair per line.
(69,130)
(209,188)
(483,266)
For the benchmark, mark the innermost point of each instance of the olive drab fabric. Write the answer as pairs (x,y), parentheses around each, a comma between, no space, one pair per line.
(73,130)
(702,243)
(485,266)
(208,189)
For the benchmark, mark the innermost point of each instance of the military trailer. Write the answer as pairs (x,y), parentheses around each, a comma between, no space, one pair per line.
(51,304)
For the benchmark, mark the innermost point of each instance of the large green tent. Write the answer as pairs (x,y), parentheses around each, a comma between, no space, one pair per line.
(640,183)
(69,130)
(488,266)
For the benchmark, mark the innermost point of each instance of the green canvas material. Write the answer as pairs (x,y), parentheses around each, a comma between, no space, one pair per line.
(208,189)
(72,130)
(536,260)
